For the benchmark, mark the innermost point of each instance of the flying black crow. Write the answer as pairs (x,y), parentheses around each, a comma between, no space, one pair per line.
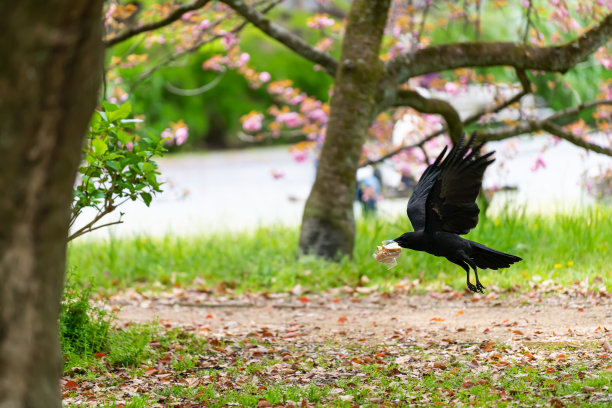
(443,206)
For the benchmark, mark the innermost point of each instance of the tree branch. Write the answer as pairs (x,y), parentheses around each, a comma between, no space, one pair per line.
(90,225)
(558,131)
(526,84)
(169,19)
(548,125)
(284,36)
(558,58)
(406,97)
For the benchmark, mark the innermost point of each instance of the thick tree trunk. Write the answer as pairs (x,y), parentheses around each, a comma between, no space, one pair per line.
(328,225)
(49,78)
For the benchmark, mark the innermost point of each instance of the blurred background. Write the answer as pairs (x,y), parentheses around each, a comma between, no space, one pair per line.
(243,166)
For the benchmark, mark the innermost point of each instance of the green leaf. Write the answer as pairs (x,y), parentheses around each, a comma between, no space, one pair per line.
(122,112)
(146,197)
(99,146)
(123,137)
(113,165)
(148,167)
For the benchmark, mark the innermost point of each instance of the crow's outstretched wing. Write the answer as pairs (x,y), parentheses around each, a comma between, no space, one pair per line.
(445,196)
(451,204)
(416,210)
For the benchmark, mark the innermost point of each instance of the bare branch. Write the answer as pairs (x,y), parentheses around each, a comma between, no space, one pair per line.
(83,231)
(548,125)
(169,19)
(179,55)
(558,131)
(406,97)
(108,208)
(284,36)
(196,47)
(558,58)
(526,84)
(574,110)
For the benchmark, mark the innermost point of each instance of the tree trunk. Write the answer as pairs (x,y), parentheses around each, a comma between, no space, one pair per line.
(50,74)
(328,224)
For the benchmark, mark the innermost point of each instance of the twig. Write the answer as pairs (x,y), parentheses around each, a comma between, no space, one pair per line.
(284,36)
(406,97)
(197,46)
(197,91)
(526,84)
(90,225)
(169,19)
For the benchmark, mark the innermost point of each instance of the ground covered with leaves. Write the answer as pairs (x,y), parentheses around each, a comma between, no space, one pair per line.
(355,346)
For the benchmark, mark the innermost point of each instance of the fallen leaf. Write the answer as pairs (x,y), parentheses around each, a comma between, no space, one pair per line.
(262,403)
(436,319)
(468,384)
(342,319)
(556,403)
(303,299)
(71,385)
(99,355)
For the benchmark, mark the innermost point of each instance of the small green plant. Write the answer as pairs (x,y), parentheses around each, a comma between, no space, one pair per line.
(84,328)
(130,347)
(118,166)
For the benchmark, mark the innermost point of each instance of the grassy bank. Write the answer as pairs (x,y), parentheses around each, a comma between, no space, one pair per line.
(564,248)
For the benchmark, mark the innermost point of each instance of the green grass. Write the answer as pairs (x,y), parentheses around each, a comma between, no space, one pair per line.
(564,248)
(346,375)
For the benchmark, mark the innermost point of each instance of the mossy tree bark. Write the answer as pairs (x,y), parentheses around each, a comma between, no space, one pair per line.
(328,225)
(52,58)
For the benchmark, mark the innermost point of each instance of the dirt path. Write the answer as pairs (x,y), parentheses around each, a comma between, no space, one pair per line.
(377,320)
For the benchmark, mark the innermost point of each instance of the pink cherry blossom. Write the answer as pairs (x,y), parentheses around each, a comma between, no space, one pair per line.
(180,135)
(264,76)
(320,21)
(204,25)
(253,123)
(187,15)
(244,58)
(451,88)
(290,119)
(277,174)
(539,164)
(299,155)
(129,146)
(318,115)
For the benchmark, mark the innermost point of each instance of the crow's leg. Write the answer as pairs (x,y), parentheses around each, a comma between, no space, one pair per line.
(479,287)
(470,286)
(462,263)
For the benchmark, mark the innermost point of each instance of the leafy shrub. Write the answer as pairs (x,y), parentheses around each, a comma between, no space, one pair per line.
(118,166)
(84,328)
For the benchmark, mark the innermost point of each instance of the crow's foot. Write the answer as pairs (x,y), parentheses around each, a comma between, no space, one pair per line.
(471,287)
(478,288)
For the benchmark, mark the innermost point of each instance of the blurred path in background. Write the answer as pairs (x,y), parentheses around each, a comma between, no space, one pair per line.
(238,190)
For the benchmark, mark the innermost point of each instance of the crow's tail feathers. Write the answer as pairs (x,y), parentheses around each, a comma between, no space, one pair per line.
(487,258)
